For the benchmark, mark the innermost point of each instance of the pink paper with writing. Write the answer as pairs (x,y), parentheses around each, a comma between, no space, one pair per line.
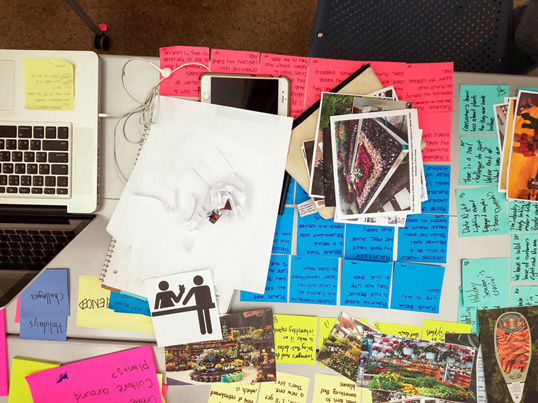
(293,67)
(185,81)
(119,377)
(429,86)
(234,61)
(4,376)
(325,74)
(391,73)
(436,129)
(18,310)
(296,112)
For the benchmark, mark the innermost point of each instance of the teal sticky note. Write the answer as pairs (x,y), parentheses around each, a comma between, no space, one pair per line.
(480,161)
(476,107)
(468,314)
(524,295)
(481,211)
(486,283)
(524,255)
(522,216)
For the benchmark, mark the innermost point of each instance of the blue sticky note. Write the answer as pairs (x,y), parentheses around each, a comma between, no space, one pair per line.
(522,216)
(365,283)
(124,303)
(480,160)
(291,192)
(283,232)
(369,242)
(416,287)
(317,236)
(438,185)
(476,107)
(524,295)
(300,195)
(486,283)
(276,287)
(468,314)
(313,280)
(46,295)
(43,327)
(423,239)
(481,211)
(524,255)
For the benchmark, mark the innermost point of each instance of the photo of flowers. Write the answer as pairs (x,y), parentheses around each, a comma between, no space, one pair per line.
(341,349)
(415,367)
(246,354)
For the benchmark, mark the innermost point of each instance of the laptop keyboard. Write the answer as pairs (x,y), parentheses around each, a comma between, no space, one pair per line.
(32,246)
(35,160)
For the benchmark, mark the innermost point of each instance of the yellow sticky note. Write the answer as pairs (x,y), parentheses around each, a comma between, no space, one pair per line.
(19,391)
(49,84)
(398,330)
(92,309)
(229,392)
(325,327)
(288,388)
(295,339)
(435,329)
(160,380)
(335,388)
(366,395)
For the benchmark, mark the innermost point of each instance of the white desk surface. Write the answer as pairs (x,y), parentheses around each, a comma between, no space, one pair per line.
(85,255)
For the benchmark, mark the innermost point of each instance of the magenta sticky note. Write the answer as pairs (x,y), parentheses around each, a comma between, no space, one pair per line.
(234,61)
(184,82)
(4,376)
(391,74)
(430,86)
(125,376)
(436,127)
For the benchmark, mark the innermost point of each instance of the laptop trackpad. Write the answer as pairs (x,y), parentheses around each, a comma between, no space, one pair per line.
(7,84)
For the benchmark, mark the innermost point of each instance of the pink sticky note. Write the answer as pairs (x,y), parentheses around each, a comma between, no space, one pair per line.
(325,74)
(126,376)
(296,112)
(184,82)
(430,86)
(165,389)
(391,73)
(234,61)
(436,127)
(18,310)
(293,67)
(4,376)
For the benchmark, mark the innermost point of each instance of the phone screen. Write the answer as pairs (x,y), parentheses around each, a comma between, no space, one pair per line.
(260,95)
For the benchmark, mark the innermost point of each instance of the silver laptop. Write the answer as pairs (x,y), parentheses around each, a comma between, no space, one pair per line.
(48,166)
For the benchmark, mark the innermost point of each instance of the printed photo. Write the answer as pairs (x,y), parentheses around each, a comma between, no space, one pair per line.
(381,396)
(477,388)
(415,367)
(506,149)
(501,114)
(246,354)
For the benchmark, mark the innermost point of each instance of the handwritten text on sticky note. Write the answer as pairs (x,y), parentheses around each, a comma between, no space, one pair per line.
(524,257)
(423,239)
(185,81)
(234,61)
(522,216)
(288,388)
(436,128)
(313,280)
(365,283)
(49,84)
(438,185)
(479,160)
(369,242)
(398,330)
(476,107)
(524,295)
(283,232)
(295,339)
(317,236)
(435,329)
(481,211)
(485,283)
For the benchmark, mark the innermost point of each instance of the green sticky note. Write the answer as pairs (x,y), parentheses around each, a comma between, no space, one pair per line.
(295,339)
(481,211)
(524,256)
(486,283)
(522,216)
(480,160)
(524,295)
(476,107)
(467,314)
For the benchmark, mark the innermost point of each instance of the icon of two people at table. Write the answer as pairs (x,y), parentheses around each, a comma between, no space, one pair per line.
(202,297)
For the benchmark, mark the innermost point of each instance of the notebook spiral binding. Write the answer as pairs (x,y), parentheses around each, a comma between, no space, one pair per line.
(106,263)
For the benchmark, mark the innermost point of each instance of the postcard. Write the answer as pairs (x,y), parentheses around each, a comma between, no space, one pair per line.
(501,115)
(509,347)
(342,347)
(415,367)
(308,154)
(246,353)
(387,92)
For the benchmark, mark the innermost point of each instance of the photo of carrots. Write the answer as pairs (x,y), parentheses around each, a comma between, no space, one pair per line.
(513,343)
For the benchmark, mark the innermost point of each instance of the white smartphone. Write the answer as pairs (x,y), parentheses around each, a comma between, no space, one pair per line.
(252,92)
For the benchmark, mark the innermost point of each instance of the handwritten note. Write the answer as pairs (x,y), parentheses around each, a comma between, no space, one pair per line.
(290,195)
(369,242)
(485,283)
(438,184)
(283,232)
(295,339)
(423,239)
(4,374)
(293,67)
(398,330)
(480,160)
(288,388)
(19,391)
(430,86)
(436,128)
(467,314)
(124,303)
(522,216)
(92,309)
(481,211)
(276,287)
(335,388)
(224,392)
(435,330)
(313,280)
(365,283)
(391,74)
(317,236)
(524,295)
(476,107)
(416,287)
(524,257)
(185,81)
(49,84)
(234,61)
(128,375)
(44,328)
